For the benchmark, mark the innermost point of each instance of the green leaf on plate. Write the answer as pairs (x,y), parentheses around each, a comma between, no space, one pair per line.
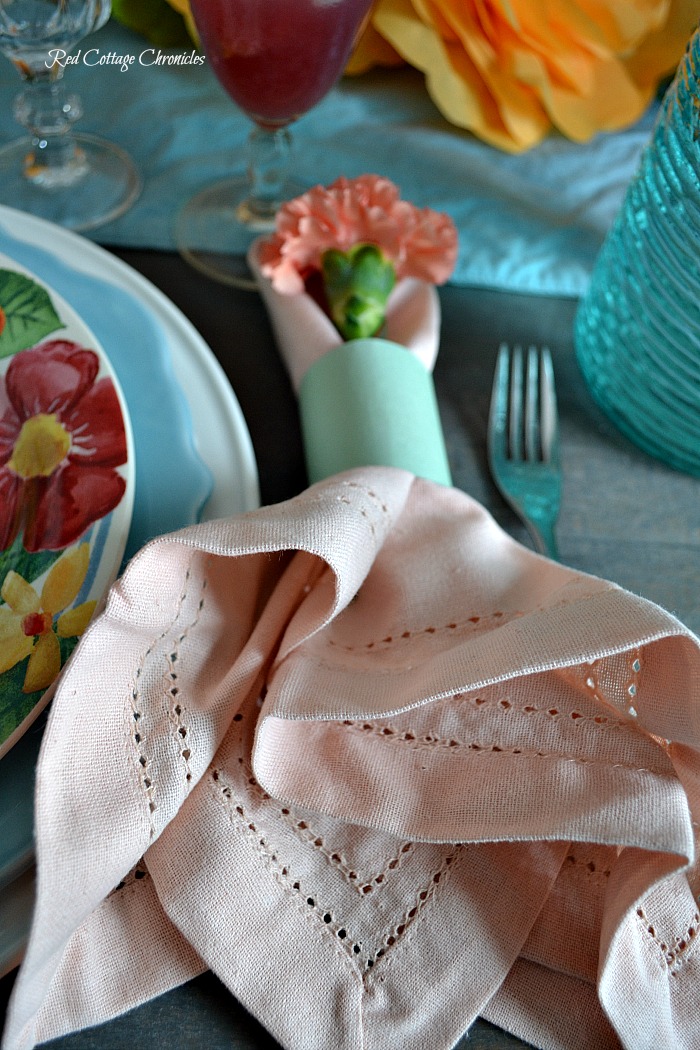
(16,705)
(26,313)
(30,566)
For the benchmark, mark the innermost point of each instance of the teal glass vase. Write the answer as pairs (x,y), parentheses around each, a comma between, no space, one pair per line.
(637,329)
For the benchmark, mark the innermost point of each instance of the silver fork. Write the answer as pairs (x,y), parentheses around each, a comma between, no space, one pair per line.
(523,441)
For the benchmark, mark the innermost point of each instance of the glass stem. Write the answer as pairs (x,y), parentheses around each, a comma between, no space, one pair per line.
(49,113)
(269,153)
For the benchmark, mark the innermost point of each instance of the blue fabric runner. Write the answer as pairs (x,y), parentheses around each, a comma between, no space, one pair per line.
(531,223)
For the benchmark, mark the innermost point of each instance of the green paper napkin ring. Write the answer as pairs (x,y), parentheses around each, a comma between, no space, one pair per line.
(370,402)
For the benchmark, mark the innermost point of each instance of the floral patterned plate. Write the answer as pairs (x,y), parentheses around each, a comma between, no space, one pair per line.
(66,489)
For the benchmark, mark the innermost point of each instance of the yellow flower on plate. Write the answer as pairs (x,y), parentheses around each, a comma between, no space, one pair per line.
(27,626)
(511,70)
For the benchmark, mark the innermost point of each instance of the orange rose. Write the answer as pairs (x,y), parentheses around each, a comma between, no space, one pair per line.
(511,70)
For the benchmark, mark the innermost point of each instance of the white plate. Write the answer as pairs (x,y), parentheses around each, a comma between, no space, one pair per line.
(214,478)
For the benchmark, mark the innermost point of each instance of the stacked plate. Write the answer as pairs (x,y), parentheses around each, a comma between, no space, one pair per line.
(180,458)
(637,331)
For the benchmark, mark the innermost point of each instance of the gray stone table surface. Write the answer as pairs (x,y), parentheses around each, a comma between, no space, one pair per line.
(624,516)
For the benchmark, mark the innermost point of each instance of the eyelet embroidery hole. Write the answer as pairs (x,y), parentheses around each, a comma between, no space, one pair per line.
(506,705)
(176,715)
(674,955)
(430,741)
(630,688)
(172,689)
(587,867)
(380,645)
(137,874)
(324,915)
(635,664)
(307,834)
(370,493)
(376,501)
(397,932)
(282,872)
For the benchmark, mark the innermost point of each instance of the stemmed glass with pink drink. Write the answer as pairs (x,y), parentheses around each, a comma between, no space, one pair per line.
(276,59)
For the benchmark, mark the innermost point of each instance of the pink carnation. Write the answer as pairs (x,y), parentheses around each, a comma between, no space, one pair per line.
(419,242)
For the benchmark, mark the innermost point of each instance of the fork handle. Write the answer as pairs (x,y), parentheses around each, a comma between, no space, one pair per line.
(544,539)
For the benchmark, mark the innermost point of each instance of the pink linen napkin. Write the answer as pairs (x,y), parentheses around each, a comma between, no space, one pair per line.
(383,770)
(379,767)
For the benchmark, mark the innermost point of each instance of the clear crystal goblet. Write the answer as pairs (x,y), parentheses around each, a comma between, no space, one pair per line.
(71,178)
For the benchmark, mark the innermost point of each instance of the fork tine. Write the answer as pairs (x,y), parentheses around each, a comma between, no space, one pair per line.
(532,405)
(549,418)
(523,446)
(515,404)
(498,412)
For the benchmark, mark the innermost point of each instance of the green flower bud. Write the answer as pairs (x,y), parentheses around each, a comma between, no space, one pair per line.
(357,284)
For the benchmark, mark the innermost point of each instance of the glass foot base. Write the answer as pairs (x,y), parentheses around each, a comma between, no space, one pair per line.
(100,187)
(214,230)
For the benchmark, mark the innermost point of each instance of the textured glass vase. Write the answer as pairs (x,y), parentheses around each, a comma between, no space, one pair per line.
(637,330)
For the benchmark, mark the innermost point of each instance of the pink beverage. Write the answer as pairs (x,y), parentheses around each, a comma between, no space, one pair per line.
(278,58)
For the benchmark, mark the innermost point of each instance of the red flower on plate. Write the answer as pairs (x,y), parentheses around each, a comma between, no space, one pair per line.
(61,437)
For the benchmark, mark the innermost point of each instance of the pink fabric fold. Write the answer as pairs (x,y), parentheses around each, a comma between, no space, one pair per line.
(383,770)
